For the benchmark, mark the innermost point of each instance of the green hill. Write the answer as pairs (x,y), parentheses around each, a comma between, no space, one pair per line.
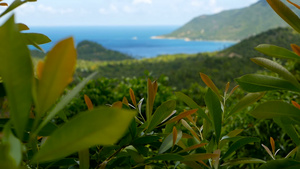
(234,24)
(88,50)
(280,36)
(92,51)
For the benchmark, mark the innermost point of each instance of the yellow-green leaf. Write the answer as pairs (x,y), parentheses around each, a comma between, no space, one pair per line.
(58,70)
(17,74)
(22,27)
(103,126)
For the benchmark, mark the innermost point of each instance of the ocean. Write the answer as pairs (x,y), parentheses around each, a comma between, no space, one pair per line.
(136,41)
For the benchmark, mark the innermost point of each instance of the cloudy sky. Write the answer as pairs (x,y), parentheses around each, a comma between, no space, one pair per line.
(119,12)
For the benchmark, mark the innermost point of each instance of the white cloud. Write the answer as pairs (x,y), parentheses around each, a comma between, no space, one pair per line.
(142,1)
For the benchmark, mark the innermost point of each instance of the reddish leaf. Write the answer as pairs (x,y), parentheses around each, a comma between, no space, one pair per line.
(132,96)
(88,102)
(182,115)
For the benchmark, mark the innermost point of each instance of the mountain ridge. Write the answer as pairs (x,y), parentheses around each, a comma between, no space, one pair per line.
(235,24)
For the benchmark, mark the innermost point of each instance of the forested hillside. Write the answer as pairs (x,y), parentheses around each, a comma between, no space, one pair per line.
(234,24)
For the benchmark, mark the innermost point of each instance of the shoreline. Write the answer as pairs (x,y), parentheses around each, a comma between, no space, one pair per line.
(188,39)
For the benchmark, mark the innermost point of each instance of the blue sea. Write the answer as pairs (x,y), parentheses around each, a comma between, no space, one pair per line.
(132,40)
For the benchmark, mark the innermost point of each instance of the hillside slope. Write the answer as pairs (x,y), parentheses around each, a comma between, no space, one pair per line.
(234,24)
(282,37)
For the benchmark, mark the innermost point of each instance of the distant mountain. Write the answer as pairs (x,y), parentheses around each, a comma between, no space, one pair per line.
(234,24)
(88,50)
(282,37)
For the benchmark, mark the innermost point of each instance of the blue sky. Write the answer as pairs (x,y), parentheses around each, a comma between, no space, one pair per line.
(119,12)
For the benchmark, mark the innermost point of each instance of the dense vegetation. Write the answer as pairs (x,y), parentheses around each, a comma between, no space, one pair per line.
(233,24)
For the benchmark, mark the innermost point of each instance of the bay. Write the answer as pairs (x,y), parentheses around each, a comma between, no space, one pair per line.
(136,41)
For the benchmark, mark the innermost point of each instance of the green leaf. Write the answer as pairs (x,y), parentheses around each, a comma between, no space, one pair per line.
(197,157)
(13,146)
(273,109)
(65,100)
(36,38)
(286,124)
(238,144)
(166,157)
(259,83)
(56,75)
(277,68)
(192,104)
(12,6)
(243,161)
(103,126)
(282,164)
(84,159)
(168,142)
(285,13)
(277,52)
(162,112)
(17,73)
(245,102)
(214,106)
(22,27)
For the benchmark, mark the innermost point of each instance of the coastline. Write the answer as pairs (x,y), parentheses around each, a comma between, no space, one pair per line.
(188,39)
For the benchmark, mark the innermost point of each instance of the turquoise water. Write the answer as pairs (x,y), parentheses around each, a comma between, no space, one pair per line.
(133,40)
